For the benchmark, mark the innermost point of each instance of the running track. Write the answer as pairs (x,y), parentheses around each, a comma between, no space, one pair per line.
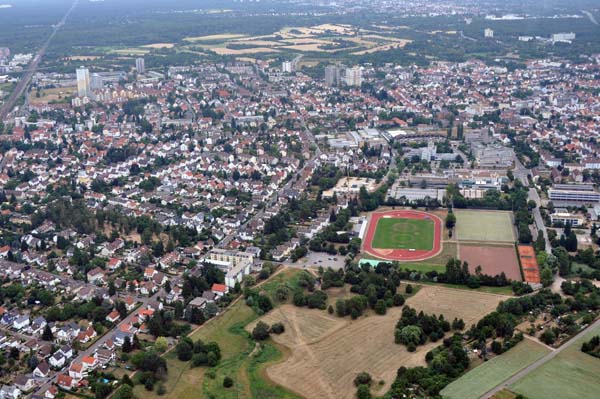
(403,254)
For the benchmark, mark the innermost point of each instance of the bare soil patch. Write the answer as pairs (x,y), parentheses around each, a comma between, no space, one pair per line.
(493,260)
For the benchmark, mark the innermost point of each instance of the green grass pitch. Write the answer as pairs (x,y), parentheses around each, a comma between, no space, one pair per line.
(397,233)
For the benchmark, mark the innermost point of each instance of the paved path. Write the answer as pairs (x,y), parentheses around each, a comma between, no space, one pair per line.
(534,366)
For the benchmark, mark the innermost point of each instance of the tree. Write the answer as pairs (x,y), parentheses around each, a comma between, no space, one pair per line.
(363,392)
(125,392)
(161,344)
(548,337)
(184,350)
(227,382)
(261,331)
(126,348)
(450,220)
(47,334)
(380,307)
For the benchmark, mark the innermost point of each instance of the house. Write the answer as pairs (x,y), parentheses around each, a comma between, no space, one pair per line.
(9,392)
(42,370)
(105,356)
(21,322)
(129,303)
(149,273)
(57,360)
(196,303)
(66,351)
(76,371)
(219,289)
(113,317)
(24,383)
(87,335)
(51,392)
(96,276)
(65,381)
(89,363)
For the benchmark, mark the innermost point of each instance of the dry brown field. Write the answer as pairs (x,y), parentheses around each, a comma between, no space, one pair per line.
(327,352)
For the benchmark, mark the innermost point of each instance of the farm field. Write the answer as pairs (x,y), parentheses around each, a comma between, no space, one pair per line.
(492,259)
(484,226)
(572,374)
(394,233)
(330,351)
(489,374)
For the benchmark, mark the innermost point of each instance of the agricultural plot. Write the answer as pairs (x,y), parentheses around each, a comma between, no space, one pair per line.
(491,373)
(492,259)
(484,226)
(329,351)
(572,374)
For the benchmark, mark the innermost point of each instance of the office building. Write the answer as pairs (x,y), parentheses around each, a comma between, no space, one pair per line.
(140,65)
(574,196)
(354,76)
(96,82)
(287,67)
(489,33)
(563,37)
(566,217)
(83,82)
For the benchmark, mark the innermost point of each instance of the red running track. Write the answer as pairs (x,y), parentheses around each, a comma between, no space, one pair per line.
(403,254)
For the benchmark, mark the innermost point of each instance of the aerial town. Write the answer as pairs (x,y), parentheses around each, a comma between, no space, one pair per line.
(169,230)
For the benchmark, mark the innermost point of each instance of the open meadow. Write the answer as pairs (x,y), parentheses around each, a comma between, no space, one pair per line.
(327,351)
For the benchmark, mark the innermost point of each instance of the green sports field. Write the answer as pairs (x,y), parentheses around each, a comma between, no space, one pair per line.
(398,233)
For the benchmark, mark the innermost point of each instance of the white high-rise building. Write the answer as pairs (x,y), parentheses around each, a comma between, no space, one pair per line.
(354,76)
(140,65)
(96,82)
(83,82)
(287,67)
(488,33)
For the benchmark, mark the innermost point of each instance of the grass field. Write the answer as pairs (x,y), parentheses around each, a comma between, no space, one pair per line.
(398,233)
(489,374)
(570,375)
(327,352)
(242,361)
(484,226)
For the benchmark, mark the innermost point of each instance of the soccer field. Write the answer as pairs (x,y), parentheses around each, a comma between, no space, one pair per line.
(484,226)
(398,233)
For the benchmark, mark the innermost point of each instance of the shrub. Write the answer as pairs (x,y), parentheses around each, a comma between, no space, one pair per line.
(277,328)
(409,289)
(363,378)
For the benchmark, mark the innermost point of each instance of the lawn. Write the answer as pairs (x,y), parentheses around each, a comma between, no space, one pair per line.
(571,374)
(495,226)
(398,233)
(491,373)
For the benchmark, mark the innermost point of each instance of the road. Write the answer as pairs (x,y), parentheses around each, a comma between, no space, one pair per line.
(10,103)
(521,172)
(516,377)
(590,17)
(100,342)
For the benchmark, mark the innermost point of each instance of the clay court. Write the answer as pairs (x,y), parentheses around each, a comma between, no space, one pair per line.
(403,235)
(492,259)
(531,270)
